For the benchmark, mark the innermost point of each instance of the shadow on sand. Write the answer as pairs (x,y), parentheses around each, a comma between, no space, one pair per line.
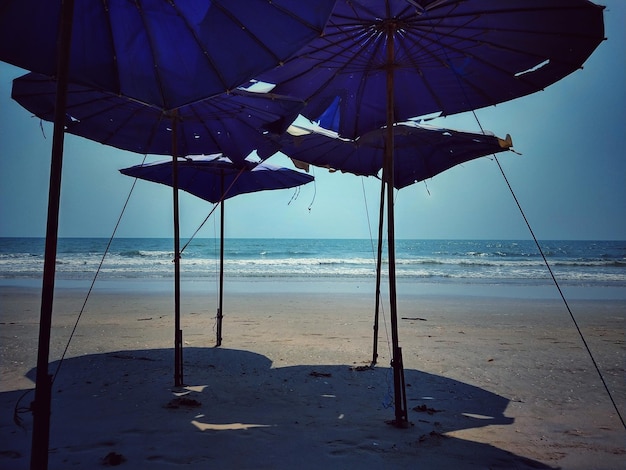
(241,411)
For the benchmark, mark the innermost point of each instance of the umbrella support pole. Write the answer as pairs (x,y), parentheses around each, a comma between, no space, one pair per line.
(399,384)
(379,257)
(178,344)
(221,291)
(219,327)
(43,383)
(401,420)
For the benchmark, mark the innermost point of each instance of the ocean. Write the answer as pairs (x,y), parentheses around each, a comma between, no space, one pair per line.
(589,266)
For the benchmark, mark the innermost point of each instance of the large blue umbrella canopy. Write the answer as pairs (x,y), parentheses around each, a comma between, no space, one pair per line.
(163,52)
(233,123)
(421,151)
(216,178)
(380,62)
(447,56)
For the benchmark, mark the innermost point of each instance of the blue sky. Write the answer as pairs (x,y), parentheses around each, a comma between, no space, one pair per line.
(570,178)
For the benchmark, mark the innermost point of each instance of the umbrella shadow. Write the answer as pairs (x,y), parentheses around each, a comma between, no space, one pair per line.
(241,411)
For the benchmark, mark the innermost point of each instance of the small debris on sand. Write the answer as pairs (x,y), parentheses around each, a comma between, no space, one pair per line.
(183,402)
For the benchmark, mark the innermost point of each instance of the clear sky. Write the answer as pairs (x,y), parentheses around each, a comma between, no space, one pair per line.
(570,180)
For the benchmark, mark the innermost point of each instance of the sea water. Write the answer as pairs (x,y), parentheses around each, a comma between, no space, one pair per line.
(467,264)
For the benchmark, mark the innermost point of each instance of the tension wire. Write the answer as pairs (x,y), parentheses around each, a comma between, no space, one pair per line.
(569,310)
(19,409)
(369,227)
(93,282)
(222,198)
(464,91)
(556,283)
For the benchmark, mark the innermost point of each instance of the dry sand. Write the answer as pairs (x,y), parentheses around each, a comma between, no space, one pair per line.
(492,383)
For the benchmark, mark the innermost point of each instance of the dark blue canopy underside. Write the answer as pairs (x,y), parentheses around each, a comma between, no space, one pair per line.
(214,178)
(450,56)
(419,152)
(233,124)
(166,53)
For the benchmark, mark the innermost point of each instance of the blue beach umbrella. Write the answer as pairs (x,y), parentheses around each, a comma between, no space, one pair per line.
(215,179)
(421,151)
(164,53)
(232,123)
(237,122)
(434,56)
(380,62)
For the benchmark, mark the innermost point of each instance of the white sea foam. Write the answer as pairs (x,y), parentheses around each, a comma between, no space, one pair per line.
(584,263)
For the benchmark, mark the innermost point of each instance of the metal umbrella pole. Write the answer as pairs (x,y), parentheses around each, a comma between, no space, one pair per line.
(396,360)
(178,333)
(43,382)
(379,261)
(220,314)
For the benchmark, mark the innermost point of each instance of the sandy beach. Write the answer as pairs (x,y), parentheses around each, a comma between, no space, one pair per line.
(492,382)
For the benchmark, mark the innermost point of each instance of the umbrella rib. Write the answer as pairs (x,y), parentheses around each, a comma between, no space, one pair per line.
(87,104)
(494,11)
(222,113)
(299,19)
(252,36)
(497,45)
(154,132)
(354,57)
(252,113)
(336,57)
(118,84)
(157,70)
(443,62)
(465,27)
(243,27)
(192,30)
(184,146)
